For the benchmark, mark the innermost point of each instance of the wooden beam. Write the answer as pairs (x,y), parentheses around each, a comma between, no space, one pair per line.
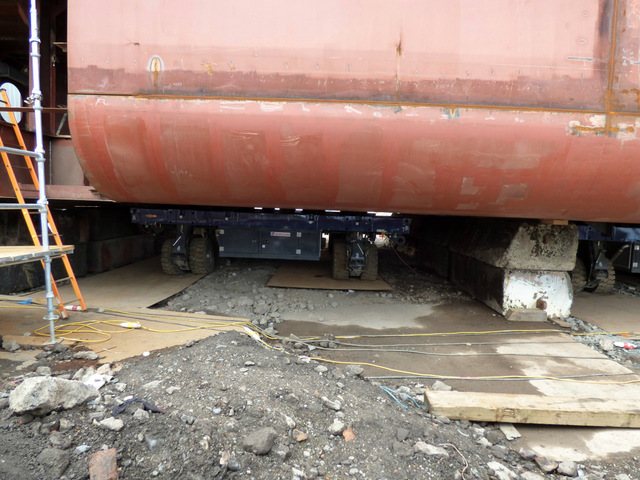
(539,409)
(554,221)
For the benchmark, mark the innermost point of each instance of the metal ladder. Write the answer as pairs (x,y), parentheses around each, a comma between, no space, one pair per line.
(47,225)
(27,217)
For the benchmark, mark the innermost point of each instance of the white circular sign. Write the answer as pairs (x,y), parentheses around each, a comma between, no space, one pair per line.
(15,99)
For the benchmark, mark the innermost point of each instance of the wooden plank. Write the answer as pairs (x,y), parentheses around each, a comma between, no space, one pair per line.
(539,409)
(12,255)
(553,221)
(103,465)
(526,315)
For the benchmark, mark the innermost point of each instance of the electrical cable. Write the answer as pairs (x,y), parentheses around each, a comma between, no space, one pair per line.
(447,344)
(436,354)
(209,318)
(393,393)
(523,378)
(71,330)
(488,377)
(441,334)
(255,333)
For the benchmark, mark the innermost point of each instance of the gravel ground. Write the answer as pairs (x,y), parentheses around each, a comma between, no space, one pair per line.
(234,408)
(238,289)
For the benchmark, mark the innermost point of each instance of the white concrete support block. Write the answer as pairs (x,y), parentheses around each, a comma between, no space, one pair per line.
(526,289)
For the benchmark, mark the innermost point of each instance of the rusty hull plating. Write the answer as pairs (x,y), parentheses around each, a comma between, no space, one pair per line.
(501,108)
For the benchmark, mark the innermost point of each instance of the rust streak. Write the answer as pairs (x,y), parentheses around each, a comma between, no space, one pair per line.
(208,67)
(612,63)
(584,128)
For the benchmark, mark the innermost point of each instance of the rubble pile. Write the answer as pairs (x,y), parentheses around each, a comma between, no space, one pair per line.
(228,407)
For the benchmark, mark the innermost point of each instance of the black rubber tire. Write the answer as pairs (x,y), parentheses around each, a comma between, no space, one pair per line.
(579,276)
(202,259)
(339,270)
(606,284)
(370,271)
(166,259)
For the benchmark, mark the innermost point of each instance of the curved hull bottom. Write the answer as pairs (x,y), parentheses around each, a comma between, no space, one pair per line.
(356,157)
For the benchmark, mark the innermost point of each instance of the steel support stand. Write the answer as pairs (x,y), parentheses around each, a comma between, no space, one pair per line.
(36,99)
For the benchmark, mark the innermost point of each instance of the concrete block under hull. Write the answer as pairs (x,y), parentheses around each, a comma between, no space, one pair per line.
(504,243)
(505,289)
(518,245)
(106,255)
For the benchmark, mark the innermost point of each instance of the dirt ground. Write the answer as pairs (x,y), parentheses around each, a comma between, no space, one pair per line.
(235,407)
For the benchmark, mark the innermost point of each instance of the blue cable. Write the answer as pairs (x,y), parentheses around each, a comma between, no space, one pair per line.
(393,394)
(406,395)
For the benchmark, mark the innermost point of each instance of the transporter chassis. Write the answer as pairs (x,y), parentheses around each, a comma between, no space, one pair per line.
(604,249)
(199,236)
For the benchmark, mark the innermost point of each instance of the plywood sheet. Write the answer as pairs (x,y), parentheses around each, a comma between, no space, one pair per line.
(317,275)
(613,313)
(141,284)
(161,329)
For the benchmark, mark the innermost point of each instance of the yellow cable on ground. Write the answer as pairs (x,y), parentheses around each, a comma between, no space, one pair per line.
(176,315)
(496,377)
(65,331)
(229,321)
(487,332)
(210,321)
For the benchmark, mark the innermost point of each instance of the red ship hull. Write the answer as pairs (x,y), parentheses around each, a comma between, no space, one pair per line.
(512,109)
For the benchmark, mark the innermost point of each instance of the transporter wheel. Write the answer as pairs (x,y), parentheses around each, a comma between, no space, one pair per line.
(370,271)
(579,276)
(201,255)
(606,284)
(339,270)
(166,259)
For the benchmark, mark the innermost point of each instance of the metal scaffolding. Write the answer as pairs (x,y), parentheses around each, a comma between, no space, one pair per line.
(35,100)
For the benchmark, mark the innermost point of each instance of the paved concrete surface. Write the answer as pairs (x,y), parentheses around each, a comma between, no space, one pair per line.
(542,351)
(368,315)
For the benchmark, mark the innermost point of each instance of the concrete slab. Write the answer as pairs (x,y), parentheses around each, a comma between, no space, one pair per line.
(317,275)
(370,315)
(475,350)
(613,313)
